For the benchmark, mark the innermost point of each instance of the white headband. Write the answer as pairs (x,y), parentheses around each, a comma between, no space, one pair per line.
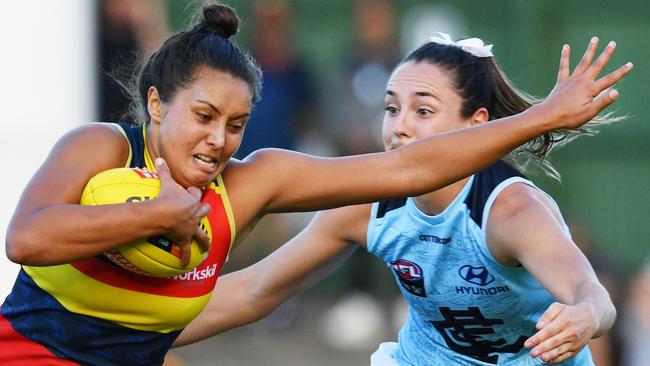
(475,46)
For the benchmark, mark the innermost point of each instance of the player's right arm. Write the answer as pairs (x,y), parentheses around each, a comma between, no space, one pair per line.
(49,226)
(252,293)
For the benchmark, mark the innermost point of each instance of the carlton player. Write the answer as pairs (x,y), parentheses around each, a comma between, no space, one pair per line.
(486,264)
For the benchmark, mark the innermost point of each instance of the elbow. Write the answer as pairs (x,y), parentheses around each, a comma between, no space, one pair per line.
(612,314)
(261,299)
(15,248)
(19,247)
(258,305)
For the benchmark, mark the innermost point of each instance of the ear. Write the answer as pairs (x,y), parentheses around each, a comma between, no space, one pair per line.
(154,105)
(480,116)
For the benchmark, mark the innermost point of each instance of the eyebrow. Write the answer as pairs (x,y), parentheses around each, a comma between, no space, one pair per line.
(209,105)
(419,94)
(426,94)
(219,112)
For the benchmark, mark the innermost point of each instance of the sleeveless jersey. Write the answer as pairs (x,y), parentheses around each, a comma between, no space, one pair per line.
(94,312)
(465,308)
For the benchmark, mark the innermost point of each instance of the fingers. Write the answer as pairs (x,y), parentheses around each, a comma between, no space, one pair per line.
(587,57)
(562,356)
(558,354)
(565,56)
(202,239)
(163,171)
(186,252)
(195,192)
(564,331)
(552,338)
(550,314)
(545,331)
(614,77)
(204,209)
(603,101)
(595,69)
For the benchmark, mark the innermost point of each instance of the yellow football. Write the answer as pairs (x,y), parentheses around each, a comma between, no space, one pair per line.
(154,256)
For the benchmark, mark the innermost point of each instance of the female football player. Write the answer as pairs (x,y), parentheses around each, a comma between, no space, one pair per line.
(486,264)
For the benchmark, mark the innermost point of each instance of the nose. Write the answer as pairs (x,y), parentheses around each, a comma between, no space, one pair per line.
(216,137)
(400,125)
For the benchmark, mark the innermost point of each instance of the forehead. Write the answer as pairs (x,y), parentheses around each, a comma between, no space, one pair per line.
(418,77)
(218,87)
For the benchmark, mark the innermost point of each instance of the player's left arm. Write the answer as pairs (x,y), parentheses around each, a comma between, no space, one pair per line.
(525,227)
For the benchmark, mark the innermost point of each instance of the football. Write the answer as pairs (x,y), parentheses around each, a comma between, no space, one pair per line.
(154,256)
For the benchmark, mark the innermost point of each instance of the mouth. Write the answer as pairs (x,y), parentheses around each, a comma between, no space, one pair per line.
(206,163)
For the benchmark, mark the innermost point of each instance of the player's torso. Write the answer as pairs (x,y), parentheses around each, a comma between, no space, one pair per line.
(95,300)
(463,305)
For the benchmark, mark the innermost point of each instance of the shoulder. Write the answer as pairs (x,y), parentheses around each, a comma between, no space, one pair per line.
(93,133)
(522,216)
(487,184)
(518,198)
(104,142)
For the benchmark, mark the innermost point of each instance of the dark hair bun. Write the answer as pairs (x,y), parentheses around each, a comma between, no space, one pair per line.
(221,20)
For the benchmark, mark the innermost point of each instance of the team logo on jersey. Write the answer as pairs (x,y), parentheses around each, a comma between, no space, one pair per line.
(410,276)
(481,277)
(469,333)
(476,275)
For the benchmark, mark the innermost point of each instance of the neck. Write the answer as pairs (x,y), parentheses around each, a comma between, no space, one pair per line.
(434,203)
(151,136)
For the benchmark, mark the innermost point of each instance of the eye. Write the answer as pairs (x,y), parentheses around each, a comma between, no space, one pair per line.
(203,116)
(424,112)
(391,110)
(237,127)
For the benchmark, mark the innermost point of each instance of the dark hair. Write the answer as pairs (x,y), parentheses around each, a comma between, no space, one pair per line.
(481,83)
(207,43)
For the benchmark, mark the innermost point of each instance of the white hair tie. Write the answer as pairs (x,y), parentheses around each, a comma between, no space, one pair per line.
(475,46)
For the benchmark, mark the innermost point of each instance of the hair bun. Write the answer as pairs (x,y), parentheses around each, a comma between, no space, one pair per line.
(221,20)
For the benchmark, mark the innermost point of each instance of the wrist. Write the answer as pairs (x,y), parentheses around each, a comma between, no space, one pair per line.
(589,310)
(542,118)
(158,212)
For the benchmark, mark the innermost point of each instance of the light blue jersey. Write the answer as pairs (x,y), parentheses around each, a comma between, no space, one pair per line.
(464,307)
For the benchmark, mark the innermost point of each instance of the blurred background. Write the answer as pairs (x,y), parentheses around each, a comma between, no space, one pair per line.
(325,66)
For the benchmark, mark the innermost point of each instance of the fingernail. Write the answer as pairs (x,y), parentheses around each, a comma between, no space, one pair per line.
(629,65)
(594,39)
(159,162)
(613,94)
(534,353)
(611,44)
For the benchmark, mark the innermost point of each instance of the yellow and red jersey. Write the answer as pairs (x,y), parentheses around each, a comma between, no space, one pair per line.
(94,312)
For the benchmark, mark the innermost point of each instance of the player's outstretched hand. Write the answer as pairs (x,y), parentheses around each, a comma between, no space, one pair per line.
(579,96)
(185,210)
(564,330)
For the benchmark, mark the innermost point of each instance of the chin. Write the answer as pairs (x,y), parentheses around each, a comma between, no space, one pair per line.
(203,180)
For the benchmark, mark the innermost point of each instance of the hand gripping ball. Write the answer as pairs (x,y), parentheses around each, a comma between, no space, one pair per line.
(154,256)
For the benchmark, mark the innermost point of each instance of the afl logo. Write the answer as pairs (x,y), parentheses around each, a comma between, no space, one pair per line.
(476,275)
(407,270)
